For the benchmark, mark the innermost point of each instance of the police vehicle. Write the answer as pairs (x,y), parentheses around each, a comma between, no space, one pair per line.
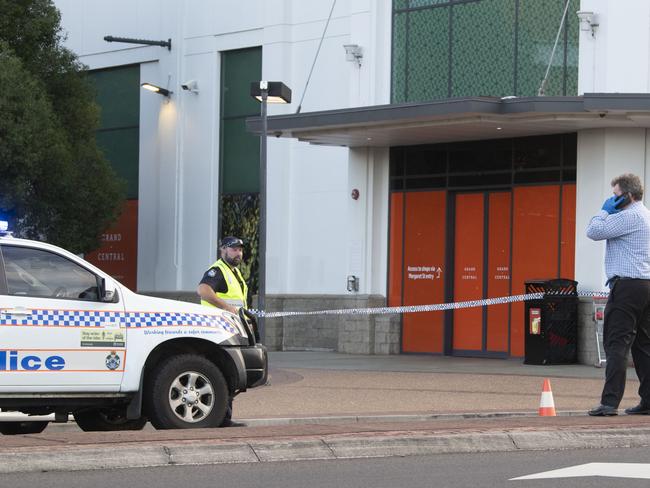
(75,341)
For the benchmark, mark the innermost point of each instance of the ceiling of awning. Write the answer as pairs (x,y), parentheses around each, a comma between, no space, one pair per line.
(461,119)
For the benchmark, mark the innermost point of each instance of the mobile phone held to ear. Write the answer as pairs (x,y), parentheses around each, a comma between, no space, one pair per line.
(623,201)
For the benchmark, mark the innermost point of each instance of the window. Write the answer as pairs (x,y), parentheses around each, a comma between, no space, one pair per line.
(38,273)
(492,163)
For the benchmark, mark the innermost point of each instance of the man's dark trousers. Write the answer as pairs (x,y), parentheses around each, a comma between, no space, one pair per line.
(627,324)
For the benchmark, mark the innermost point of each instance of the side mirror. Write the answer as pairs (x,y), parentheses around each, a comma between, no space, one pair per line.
(107,291)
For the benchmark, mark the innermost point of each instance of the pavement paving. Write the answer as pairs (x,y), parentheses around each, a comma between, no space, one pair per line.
(324,405)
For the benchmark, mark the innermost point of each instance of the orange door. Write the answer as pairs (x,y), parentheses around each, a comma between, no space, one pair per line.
(482,270)
(468,271)
(498,270)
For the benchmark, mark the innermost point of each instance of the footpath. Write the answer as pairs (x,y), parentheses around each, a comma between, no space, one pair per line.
(323,405)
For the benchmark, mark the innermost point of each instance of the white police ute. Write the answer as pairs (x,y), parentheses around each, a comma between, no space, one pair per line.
(75,341)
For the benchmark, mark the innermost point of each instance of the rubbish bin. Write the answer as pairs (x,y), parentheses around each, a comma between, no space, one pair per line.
(551,323)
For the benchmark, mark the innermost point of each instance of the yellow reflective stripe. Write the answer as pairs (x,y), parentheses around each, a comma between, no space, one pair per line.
(236,303)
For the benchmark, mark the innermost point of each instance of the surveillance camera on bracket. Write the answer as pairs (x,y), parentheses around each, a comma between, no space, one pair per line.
(191,86)
(353,52)
(588,21)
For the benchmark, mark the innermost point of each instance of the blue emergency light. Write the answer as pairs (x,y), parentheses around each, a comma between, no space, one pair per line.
(4,227)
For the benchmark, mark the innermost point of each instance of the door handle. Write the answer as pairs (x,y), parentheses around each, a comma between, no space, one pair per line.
(21,311)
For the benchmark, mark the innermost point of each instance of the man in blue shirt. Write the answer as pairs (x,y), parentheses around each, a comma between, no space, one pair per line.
(624,222)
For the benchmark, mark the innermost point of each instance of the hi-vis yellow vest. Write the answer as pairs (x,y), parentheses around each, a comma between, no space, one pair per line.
(235,296)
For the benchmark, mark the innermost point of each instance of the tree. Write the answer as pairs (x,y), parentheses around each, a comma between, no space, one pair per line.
(54,182)
(240,216)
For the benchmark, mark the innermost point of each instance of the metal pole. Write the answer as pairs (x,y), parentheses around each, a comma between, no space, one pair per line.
(261,293)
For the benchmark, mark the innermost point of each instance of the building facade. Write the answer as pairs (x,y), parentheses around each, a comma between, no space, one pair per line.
(434,151)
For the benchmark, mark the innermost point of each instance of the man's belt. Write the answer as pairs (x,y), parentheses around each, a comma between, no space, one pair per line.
(614,279)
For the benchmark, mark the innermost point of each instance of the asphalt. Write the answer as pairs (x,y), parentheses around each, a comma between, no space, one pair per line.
(324,405)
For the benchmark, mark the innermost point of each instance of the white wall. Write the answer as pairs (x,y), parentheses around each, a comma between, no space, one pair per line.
(615,58)
(309,243)
(367,225)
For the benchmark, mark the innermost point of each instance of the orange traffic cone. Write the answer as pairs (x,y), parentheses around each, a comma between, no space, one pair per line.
(546,404)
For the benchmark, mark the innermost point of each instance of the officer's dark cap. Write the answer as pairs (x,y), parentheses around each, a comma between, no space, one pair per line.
(231,241)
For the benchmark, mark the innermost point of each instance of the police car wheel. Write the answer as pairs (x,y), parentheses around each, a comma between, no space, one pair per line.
(107,419)
(16,428)
(187,391)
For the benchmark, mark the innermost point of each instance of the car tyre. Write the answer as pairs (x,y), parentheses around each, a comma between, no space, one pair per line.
(107,419)
(185,392)
(17,428)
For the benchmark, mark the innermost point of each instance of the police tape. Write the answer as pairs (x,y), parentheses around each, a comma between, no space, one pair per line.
(436,307)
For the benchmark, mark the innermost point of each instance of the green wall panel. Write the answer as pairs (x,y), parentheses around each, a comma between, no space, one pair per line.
(425,3)
(239,69)
(121,148)
(118,95)
(572,40)
(399,58)
(535,45)
(428,64)
(573,33)
(494,48)
(483,48)
(240,151)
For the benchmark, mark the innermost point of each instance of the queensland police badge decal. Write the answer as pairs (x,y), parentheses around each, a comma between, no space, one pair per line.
(112,361)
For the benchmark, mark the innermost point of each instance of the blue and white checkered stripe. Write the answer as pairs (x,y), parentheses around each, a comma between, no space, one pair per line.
(91,318)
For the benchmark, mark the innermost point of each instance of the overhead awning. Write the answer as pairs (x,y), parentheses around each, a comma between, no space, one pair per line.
(460,119)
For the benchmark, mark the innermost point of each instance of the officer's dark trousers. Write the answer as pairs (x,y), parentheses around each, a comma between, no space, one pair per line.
(228,416)
(627,324)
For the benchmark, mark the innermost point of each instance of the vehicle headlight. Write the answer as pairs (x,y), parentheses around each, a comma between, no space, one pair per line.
(236,323)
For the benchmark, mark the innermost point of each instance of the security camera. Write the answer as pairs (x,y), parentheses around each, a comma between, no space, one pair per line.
(191,86)
(588,21)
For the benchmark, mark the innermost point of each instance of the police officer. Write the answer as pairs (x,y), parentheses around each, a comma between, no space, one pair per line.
(223,286)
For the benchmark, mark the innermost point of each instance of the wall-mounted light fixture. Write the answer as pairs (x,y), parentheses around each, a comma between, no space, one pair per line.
(353,52)
(156,89)
(276,91)
(588,21)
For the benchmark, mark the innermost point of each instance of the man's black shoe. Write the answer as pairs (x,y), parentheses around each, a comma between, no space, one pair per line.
(603,411)
(641,409)
(232,423)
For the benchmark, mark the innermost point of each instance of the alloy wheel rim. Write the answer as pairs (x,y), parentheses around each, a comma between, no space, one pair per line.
(191,396)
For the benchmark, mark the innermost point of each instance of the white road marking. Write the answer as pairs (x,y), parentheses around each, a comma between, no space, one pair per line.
(612,470)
